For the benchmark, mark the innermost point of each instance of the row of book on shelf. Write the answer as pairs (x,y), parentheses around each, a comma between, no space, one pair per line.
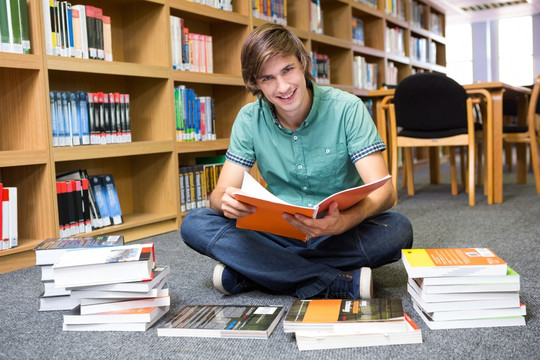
(271,10)
(194,114)
(107,285)
(14,28)
(80,31)
(364,73)
(196,184)
(86,203)
(320,64)
(8,217)
(463,288)
(81,118)
(423,50)
(226,5)
(190,51)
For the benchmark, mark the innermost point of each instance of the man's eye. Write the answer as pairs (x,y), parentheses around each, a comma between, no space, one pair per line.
(266,78)
(287,69)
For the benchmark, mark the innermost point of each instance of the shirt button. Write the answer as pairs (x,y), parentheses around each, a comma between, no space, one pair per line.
(300,167)
(304,188)
(327,151)
(295,137)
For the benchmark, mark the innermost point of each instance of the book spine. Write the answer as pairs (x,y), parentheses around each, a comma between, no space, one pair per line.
(13,218)
(47,30)
(54,120)
(91,31)
(107,38)
(112,199)
(69,26)
(25,30)
(76,26)
(75,121)
(99,34)
(83,117)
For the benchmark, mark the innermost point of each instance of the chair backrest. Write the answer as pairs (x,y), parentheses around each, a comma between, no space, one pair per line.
(430,102)
(534,105)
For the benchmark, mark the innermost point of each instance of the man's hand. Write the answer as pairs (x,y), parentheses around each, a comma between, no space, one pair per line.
(331,224)
(232,208)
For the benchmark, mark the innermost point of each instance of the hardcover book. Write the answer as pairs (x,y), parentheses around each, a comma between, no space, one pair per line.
(342,315)
(223,321)
(268,216)
(106,265)
(50,250)
(423,263)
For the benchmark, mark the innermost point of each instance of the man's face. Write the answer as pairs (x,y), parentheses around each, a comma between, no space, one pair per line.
(283,84)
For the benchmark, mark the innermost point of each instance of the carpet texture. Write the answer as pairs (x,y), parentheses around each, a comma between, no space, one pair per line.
(511,230)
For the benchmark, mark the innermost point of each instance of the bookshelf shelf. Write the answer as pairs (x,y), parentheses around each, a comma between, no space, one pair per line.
(87,66)
(20,61)
(146,170)
(110,150)
(23,157)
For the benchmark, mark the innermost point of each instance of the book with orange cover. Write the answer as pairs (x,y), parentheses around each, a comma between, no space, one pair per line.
(423,263)
(268,216)
(346,316)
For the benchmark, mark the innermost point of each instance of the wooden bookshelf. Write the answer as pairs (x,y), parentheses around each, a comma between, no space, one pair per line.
(146,170)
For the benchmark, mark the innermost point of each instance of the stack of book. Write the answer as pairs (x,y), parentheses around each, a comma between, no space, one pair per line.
(49,252)
(340,323)
(119,288)
(463,288)
(9,233)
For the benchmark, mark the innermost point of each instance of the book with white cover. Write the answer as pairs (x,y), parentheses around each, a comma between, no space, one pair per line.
(462,296)
(159,273)
(88,309)
(475,314)
(511,277)
(133,326)
(55,303)
(462,288)
(318,340)
(470,323)
(99,266)
(121,316)
(104,294)
(464,305)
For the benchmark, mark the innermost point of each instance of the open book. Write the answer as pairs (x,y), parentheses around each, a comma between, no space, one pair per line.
(268,216)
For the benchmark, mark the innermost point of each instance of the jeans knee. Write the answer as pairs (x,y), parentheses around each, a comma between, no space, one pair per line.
(193,226)
(404,231)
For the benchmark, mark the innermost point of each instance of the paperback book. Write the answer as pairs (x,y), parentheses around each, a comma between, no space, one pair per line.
(424,263)
(470,323)
(107,265)
(346,316)
(318,340)
(268,216)
(50,250)
(223,321)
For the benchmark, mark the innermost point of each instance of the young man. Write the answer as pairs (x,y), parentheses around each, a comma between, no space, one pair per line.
(309,142)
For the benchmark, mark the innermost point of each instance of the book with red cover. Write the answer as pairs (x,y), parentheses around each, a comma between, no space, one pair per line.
(268,216)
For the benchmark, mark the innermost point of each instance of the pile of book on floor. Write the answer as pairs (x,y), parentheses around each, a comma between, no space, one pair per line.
(463,288)
(49,251)
(343,323)
(109,288)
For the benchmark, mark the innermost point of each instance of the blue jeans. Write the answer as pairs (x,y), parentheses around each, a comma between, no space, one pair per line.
(290,266)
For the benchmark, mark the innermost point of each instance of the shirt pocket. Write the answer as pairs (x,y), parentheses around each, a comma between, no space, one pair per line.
(329,161)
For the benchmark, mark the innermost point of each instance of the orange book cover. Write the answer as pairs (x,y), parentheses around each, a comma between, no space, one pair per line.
(421,263)
(268,216)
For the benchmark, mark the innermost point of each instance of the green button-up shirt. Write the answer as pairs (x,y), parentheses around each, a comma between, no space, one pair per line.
(306,165)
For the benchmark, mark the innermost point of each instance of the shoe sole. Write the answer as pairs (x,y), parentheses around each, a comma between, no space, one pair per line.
(366,283)
(217,277)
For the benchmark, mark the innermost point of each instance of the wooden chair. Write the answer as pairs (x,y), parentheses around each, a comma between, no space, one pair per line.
(528,134)
(431,110)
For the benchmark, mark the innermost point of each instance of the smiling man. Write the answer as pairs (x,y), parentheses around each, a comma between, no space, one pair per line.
(309,142)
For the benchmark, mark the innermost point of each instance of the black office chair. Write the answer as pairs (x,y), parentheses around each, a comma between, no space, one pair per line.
(431,110)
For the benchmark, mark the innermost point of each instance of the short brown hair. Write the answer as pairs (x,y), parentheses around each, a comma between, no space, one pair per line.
(265,42)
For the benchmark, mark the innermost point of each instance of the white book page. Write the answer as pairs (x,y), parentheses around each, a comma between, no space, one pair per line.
(251,187)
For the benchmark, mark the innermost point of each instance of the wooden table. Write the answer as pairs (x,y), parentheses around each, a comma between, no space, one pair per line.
(494,146)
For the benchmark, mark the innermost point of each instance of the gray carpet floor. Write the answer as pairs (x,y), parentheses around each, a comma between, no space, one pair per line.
(511,230)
